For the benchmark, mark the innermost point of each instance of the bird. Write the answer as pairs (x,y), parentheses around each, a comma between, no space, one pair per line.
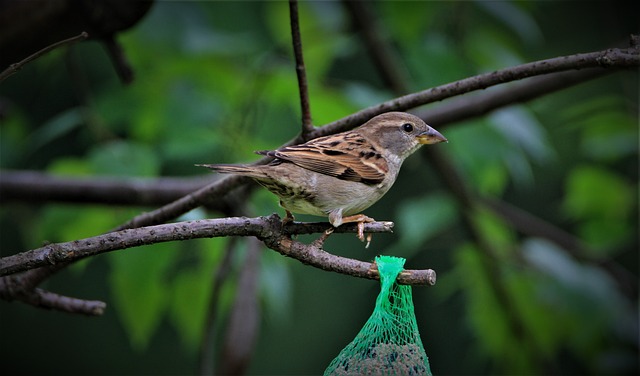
(340,175)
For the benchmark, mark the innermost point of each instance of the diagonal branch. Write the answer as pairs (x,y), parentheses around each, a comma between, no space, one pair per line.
(615,58)
(35,186)
(14,68)
(307,126)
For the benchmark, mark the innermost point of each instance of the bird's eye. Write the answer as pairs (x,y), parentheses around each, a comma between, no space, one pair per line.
(407,127)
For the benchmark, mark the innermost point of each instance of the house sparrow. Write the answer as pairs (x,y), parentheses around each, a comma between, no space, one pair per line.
(342,174)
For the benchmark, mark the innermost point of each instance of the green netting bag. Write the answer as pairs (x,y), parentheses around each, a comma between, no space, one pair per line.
(389,342)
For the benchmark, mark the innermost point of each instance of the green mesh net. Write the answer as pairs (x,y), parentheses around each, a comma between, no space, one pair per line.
(389,342)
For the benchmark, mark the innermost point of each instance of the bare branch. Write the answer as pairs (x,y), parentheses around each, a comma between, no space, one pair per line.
(268,229)
(307,126)
(614,58)
(312,254)
(208,193)
(14,68)
(523,91)
(611,59)
(16,288)
(261,227)
(33,186)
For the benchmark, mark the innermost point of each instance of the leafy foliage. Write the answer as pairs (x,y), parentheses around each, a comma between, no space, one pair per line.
(215,81)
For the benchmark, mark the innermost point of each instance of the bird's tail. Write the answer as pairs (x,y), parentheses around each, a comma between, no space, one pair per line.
(250,171)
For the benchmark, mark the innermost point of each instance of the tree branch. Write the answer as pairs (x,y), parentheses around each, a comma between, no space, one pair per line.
(35,186)
(520,92)
(262,227)
(307,126)
(18,288)
(14,68)
(610,59)
(618,58)
(267,229)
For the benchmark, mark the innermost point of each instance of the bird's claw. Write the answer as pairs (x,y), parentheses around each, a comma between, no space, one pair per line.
(320,241)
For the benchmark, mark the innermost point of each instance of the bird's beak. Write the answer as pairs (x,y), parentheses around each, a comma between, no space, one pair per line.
(431,137)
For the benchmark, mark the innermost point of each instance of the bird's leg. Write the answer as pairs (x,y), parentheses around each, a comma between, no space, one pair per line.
(336,219)
(360,219)
(286,220)
(288,217)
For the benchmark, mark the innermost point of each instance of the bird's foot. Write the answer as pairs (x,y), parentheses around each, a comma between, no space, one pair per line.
(360,219)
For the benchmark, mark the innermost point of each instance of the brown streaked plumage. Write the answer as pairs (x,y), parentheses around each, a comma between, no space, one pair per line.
(343,174)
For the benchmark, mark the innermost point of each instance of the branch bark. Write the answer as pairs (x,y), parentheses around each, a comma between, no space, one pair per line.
(307,126)
(613,58)
(269,230)
(15,68)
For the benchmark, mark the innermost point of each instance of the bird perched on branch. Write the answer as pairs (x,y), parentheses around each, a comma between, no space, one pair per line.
(340,175)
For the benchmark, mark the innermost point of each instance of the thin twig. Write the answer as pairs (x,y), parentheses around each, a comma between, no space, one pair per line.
(472,106)
(611,58)
(14,68)
(17,288)
(307,126)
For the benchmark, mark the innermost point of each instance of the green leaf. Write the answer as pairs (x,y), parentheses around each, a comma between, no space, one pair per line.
(487,317)
(138,282)
(70,167)
(275,287)
(191,290)
(60,223)
(57,127)
(421,219)
(593,192)
(123,158)
(588,307)
(495,231)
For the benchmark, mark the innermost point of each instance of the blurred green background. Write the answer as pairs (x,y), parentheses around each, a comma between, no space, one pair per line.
(215,81)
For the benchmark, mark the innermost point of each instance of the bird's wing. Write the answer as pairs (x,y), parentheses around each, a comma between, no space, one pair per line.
(347,156)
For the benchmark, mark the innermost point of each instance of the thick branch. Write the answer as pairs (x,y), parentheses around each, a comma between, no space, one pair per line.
(268,229)
(261,227)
